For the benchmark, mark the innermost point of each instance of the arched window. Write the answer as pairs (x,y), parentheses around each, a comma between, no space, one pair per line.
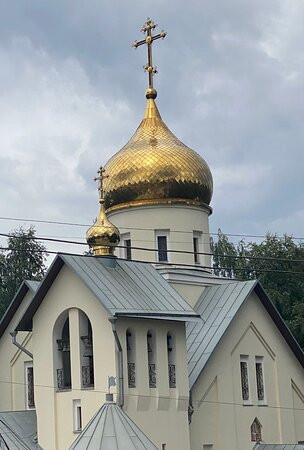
(63,356)
(256,431)
(86,351)
(151,358)
(171,360)
(130,343)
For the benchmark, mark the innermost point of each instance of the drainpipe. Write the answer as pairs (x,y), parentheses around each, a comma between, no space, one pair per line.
(112,320)
(23,349)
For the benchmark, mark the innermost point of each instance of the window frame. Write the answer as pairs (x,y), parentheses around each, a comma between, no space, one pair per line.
(260,360)
(126,237)
(28,365)
(165,234)
(77,416)
(196,251)
(244,359)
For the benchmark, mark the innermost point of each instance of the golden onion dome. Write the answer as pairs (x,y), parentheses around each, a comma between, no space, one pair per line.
(155,167)
(103,236)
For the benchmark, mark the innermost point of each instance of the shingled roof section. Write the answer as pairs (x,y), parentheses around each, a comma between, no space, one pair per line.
(217,306)
(111,428)
(124,288)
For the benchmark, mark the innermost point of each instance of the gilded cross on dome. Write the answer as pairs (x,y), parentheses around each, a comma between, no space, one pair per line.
(100,178)
(149,39)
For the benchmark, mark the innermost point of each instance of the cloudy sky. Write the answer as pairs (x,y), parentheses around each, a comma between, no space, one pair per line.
(230,85)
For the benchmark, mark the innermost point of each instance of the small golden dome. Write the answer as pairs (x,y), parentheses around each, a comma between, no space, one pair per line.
(155,167)
(103,236)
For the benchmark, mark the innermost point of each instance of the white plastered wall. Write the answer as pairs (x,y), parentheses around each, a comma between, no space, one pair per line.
(162,415)
(161,412)
(55,408)
(180,221)
(12,361)
(220,417)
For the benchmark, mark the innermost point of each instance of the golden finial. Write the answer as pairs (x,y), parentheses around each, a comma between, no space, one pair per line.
(147,28)
(103,236)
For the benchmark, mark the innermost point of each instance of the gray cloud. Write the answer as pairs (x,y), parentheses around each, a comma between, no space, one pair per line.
(230,86)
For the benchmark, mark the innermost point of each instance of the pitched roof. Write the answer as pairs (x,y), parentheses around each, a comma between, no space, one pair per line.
(124,288)
(112,429)
(15,303)
(278,447)
(18,430)
(217,306)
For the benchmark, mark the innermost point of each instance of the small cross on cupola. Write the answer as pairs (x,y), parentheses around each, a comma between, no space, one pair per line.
(149,39)
(100,178)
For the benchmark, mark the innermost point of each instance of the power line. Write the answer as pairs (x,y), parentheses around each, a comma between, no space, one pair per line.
(155,250)
(195,402)
(157,263)
(54,222)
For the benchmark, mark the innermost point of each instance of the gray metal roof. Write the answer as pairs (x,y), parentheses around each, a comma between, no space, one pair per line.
(122,287)
(217,307)
(33,285)
(18,430)
(112,429)
(16,301)
(278,447)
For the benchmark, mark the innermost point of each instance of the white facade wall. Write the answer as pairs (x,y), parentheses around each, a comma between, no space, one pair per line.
(179,222)
(221,418)
(12,363)
(160,412)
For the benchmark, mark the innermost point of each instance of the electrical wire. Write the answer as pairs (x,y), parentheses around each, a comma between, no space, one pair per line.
(155,250)
(195,402)
(166,264)
(54,222)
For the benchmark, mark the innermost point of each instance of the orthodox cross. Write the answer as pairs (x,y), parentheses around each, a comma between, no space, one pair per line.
(100,178)
(147,28)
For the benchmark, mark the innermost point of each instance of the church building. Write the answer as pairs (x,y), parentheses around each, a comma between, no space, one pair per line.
(138,345)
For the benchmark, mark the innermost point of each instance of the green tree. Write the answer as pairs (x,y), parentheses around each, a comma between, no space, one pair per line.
(277,262)
(24,259)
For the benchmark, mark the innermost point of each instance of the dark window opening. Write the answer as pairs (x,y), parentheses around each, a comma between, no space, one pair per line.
(196,250)
(127,244)
(162,248)
(63,345)
(30,387)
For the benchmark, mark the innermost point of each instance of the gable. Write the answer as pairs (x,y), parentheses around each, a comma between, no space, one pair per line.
(218,307)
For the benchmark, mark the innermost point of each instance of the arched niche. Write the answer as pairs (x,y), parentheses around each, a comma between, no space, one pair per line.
(86,351)
(256,431)
(61,352)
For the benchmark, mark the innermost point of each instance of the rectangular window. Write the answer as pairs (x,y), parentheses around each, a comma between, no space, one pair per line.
(29,385)
(207,447)
(125,249)
(77,425)
(163,447)
(196,249)
(260,383)
(162,248)
(245,379)
(127,245)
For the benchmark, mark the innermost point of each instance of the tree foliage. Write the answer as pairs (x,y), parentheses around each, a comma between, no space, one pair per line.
(277,262)
(24,259)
